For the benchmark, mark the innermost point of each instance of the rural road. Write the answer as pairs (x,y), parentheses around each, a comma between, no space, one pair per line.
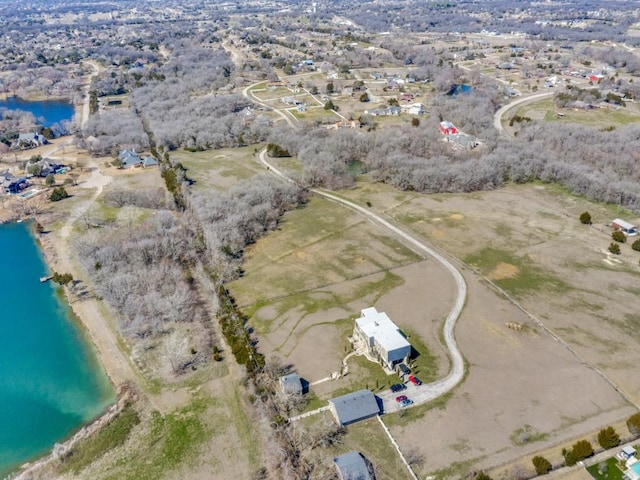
(426,392)
(497,117)
(252,98)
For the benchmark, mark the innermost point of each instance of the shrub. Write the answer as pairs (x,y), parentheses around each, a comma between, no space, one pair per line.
(275,150)
(614,248)
(541,464)
(57,194)
(585,218)
(50,180)
(619,236)
(633,424)
(608,438)
(483,476)
(582,449)
(569,457)
(636,245)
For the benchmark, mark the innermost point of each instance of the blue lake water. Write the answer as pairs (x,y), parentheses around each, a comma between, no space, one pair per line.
(51,382)
(47,112)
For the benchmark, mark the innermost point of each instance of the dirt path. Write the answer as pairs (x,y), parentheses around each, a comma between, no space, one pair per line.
(89,310)
(497,117)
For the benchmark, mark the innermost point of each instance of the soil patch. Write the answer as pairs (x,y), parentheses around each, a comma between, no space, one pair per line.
(503,270)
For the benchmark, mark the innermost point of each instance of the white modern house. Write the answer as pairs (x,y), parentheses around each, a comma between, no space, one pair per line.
(382,337)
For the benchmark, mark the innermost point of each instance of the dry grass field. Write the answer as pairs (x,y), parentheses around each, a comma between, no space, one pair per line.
(525,391)
(606,117)
(527,241)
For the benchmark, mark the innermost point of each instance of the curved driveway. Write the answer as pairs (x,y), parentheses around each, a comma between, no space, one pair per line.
(497,117)
(426,392)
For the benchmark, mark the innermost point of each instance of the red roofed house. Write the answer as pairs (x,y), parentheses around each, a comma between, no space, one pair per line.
(448,128)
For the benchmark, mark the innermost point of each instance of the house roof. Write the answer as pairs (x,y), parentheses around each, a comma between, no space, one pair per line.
(629,450)
(149,161)
(352,466)
(623,224)
(379,326)
(291,383)
(355,406)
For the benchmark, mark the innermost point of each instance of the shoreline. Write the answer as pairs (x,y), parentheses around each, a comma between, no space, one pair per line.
(123,388)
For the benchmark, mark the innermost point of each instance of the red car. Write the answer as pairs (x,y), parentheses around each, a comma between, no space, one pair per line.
(415,380)
(401,398)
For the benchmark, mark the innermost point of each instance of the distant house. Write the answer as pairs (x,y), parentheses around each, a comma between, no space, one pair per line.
(463,140)
(382,338)
(6,179)
(352,466)
(375,75)
(376,112)
(406,97)
(129,159)
(31,140)
(624,226)
(511,92)
(506,66)
(354,407)
(18,186)
(276,84)
(627,452)
(291,384)
(393,110)
(414,109)
(448,128)
(149,161)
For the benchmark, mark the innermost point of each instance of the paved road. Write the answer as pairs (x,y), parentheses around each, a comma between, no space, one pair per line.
(252,98)
(426,392)
(497,117)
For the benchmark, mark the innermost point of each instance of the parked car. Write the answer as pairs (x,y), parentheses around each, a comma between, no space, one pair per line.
(415,380)
(406,402)
(401,398)
(404,369)
(398,387)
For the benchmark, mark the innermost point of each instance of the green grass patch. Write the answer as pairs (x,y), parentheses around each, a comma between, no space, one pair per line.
(455,470)
(611,471)
(527,434)
(369,439)
(110,436)
(173,439)
(423,363)
(245,429)
(528,278)
(365,374)
(219,168)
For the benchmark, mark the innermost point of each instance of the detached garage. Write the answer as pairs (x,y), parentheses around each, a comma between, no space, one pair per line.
(624,226)
(354,407)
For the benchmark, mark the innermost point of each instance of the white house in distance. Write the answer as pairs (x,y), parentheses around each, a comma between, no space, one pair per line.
(382,338)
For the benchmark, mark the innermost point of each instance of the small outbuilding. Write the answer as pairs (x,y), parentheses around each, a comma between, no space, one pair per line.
(291,384)
(354,407)
(624,226)
(627,452)
(352,466)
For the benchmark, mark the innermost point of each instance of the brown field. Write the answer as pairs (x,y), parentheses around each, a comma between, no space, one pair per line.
(305,283)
